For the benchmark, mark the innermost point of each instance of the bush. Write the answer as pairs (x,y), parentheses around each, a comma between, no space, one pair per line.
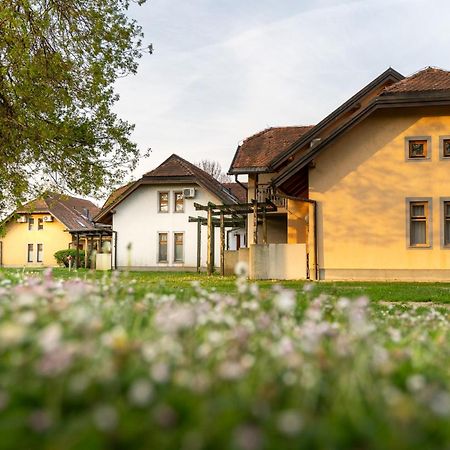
(62,257)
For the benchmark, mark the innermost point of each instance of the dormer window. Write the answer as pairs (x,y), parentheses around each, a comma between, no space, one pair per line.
(418,148)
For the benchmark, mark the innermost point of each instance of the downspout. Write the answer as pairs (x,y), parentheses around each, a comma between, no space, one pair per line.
(240,184)
(316,247)
(115,251)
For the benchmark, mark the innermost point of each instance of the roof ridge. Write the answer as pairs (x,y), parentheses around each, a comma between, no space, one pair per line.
(260,133)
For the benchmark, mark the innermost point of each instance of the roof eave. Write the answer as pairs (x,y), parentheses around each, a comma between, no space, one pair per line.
(384,77)
(379,103)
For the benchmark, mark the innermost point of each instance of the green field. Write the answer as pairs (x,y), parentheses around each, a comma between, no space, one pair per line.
(181,283)
(181,361)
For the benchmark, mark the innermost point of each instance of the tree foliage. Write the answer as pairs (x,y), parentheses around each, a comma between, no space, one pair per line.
(214,169)
(59,60)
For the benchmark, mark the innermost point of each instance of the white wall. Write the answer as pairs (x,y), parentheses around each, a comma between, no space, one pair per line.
(137,221)
(232,238)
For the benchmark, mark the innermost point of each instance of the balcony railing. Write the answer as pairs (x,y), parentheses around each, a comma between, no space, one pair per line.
(265,192)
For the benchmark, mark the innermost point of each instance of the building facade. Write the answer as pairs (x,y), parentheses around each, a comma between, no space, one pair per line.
(150,218)
(367,189)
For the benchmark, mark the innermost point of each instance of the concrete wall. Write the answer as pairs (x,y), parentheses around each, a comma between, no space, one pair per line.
(138,222)
(277,261)
(231,259)
(361,183)
(17,237)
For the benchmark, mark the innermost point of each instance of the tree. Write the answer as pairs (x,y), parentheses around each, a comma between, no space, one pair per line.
(214,169)
(59,60)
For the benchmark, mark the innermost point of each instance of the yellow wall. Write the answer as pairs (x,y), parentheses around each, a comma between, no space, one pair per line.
(362,181)
(297,227)
(17,237)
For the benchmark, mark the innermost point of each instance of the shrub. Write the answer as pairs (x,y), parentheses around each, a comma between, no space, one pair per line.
(62,257)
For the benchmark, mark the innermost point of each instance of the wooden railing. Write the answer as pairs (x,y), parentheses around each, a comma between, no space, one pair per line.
(265,192)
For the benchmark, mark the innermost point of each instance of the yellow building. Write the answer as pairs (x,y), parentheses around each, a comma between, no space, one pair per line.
(367,190)
(32,234)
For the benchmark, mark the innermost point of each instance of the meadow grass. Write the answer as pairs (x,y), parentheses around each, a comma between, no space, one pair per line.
(184,361)
(181,284)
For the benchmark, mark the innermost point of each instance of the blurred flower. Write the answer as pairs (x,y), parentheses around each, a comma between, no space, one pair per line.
(11,334)
(289,422)
(40,421)
(241,269)
(285,301)
(248,437)
(49,338)
(105,417)
(140,393)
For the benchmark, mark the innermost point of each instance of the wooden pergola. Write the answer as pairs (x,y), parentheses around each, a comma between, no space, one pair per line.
(89,234)
(226,216)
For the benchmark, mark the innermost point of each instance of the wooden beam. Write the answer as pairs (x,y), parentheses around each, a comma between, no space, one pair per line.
(264,214)
(77,257)
(222,244)
(255,222)
(209,243)
(199,244)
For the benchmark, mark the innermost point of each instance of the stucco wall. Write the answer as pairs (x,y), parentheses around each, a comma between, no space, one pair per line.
(361,183)
(277,261)
(17,237)
(138,222)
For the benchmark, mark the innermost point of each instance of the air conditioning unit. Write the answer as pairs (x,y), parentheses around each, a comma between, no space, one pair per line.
(22,219)
(189,193)
(48,218)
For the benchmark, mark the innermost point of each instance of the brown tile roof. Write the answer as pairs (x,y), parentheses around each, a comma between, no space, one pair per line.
(238,190)
(259,150)
(116,194)
(173,170)
(175,167)
(430,79)
(70,211)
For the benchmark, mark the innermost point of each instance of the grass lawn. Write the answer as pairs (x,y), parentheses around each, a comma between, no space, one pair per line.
(139,360)
(181,284)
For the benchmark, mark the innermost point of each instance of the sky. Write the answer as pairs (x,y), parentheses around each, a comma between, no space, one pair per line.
(223,70)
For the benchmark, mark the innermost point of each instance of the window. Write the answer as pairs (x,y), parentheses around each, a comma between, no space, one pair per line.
(446,217)
(40,223)
(40,249)
(418,224)
(444,146)
(30,223)
(178,247)
(30,253)
(179,201)
(163,205)
(418,148)
(162,247)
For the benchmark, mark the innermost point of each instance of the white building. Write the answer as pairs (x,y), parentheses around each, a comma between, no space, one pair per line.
(150,217)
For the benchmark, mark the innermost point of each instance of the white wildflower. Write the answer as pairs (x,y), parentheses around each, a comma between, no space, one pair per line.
(105,417)
(50,337)
(241,269)
(285,301)
(160,372)
(415,382)
(11,334)
(140,393)
(289,422)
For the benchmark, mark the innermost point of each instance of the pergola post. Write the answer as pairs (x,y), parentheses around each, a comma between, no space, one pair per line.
(264,225)
(199,244)
(91,262)
(77,255)
(222,244)
(86,252)
(255,221)
(210,246)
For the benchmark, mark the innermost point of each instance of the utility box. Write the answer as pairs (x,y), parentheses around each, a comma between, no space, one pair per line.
(103,261)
